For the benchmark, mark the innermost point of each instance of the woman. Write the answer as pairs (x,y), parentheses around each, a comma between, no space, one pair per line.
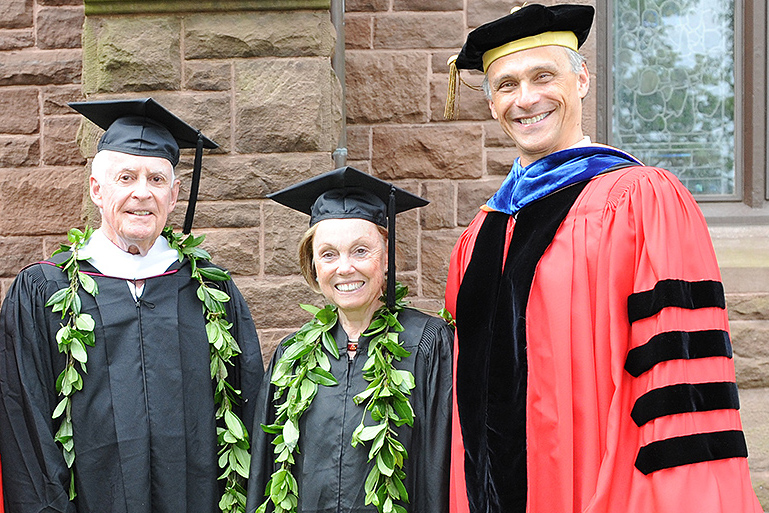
(374,404)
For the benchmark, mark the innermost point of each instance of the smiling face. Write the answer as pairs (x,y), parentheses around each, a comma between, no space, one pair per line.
(350,258)
(537,99)
(134,194)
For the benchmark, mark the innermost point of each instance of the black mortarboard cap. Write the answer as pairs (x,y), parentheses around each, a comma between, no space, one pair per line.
(144,127)
(347,193)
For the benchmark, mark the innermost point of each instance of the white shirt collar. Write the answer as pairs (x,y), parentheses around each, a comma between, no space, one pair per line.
(112,261)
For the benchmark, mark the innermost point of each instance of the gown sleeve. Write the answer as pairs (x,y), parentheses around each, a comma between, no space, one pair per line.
(430,446)
(249,362)
(39,480)
(262,456)
(673,435)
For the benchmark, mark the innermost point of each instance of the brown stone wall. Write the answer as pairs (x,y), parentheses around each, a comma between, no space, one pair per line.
(396,79)
(41,170)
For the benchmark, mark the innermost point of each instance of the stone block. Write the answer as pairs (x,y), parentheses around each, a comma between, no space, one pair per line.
(19,111)
(18,252)
(124,53)
(274,302)
(407,238)
(5,284)
(55,99)
(366,5)
(23,213)
(219,214)
(207,75)
(436,250)
(60,27)
(362,165)
(427,151)
(16,39)
(484,11)
(209,112)
(246,177)
(400,87)
(472,105)
(428,5)
(59,145)
(751,352)
(41,67)
(494,136)
(748,306)
(440,212)
(499,161)
(237,250)
(283,229)
(287,105)
(259,34)
(358,31)
(472,195)
(358,142)
(16,13)
(19,150)
(439,62)
(754,410)
(422,30)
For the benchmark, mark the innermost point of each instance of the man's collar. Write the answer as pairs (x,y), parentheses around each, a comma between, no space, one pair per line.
(110,260)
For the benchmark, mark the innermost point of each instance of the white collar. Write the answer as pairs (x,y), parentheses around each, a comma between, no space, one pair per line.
(112,261)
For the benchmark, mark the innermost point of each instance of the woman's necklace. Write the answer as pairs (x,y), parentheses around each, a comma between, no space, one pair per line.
(77,334)
(304,365)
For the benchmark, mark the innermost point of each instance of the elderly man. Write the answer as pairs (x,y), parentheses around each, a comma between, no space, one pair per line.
(160,329)
(594,370)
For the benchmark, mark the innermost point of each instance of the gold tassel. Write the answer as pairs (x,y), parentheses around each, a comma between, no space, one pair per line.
(451,110)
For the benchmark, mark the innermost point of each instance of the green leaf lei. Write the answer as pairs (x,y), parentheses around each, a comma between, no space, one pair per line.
(77,333)
(304,365)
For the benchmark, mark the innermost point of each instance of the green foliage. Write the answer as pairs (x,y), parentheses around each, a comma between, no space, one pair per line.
(386,399)
(300,369)
(72,339)
(77,334)
(234,445)
(304,365)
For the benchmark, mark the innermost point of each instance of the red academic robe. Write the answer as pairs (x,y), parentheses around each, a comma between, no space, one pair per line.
(593,412)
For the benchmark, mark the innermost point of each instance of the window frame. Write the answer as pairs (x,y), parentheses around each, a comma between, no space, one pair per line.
(750,203)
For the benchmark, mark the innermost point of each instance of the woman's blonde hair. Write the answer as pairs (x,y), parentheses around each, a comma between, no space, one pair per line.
(306,262)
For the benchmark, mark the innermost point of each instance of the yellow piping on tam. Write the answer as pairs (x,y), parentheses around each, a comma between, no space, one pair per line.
(562,38)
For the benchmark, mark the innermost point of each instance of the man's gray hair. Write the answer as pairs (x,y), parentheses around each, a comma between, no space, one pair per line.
(575,59)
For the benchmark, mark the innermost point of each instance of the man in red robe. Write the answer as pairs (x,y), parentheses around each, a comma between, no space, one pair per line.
(594,369)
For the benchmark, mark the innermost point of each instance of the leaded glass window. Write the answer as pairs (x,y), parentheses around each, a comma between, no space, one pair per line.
(673,88)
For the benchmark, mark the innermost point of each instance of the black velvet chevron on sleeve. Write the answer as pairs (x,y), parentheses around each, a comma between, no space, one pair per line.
(675,293)
(685,450)
(677,345)
(684,398)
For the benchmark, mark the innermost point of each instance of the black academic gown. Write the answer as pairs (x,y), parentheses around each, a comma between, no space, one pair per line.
(330,472)
(144,426)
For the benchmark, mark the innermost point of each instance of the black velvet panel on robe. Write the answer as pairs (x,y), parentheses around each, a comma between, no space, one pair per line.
(145,433)
(491,365)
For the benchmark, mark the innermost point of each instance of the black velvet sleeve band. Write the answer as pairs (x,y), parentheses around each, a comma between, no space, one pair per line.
(685,450)
(676,293)
(677,345)
(684,398)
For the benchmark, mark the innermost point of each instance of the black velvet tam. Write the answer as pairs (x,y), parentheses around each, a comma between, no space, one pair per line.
(527,21)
